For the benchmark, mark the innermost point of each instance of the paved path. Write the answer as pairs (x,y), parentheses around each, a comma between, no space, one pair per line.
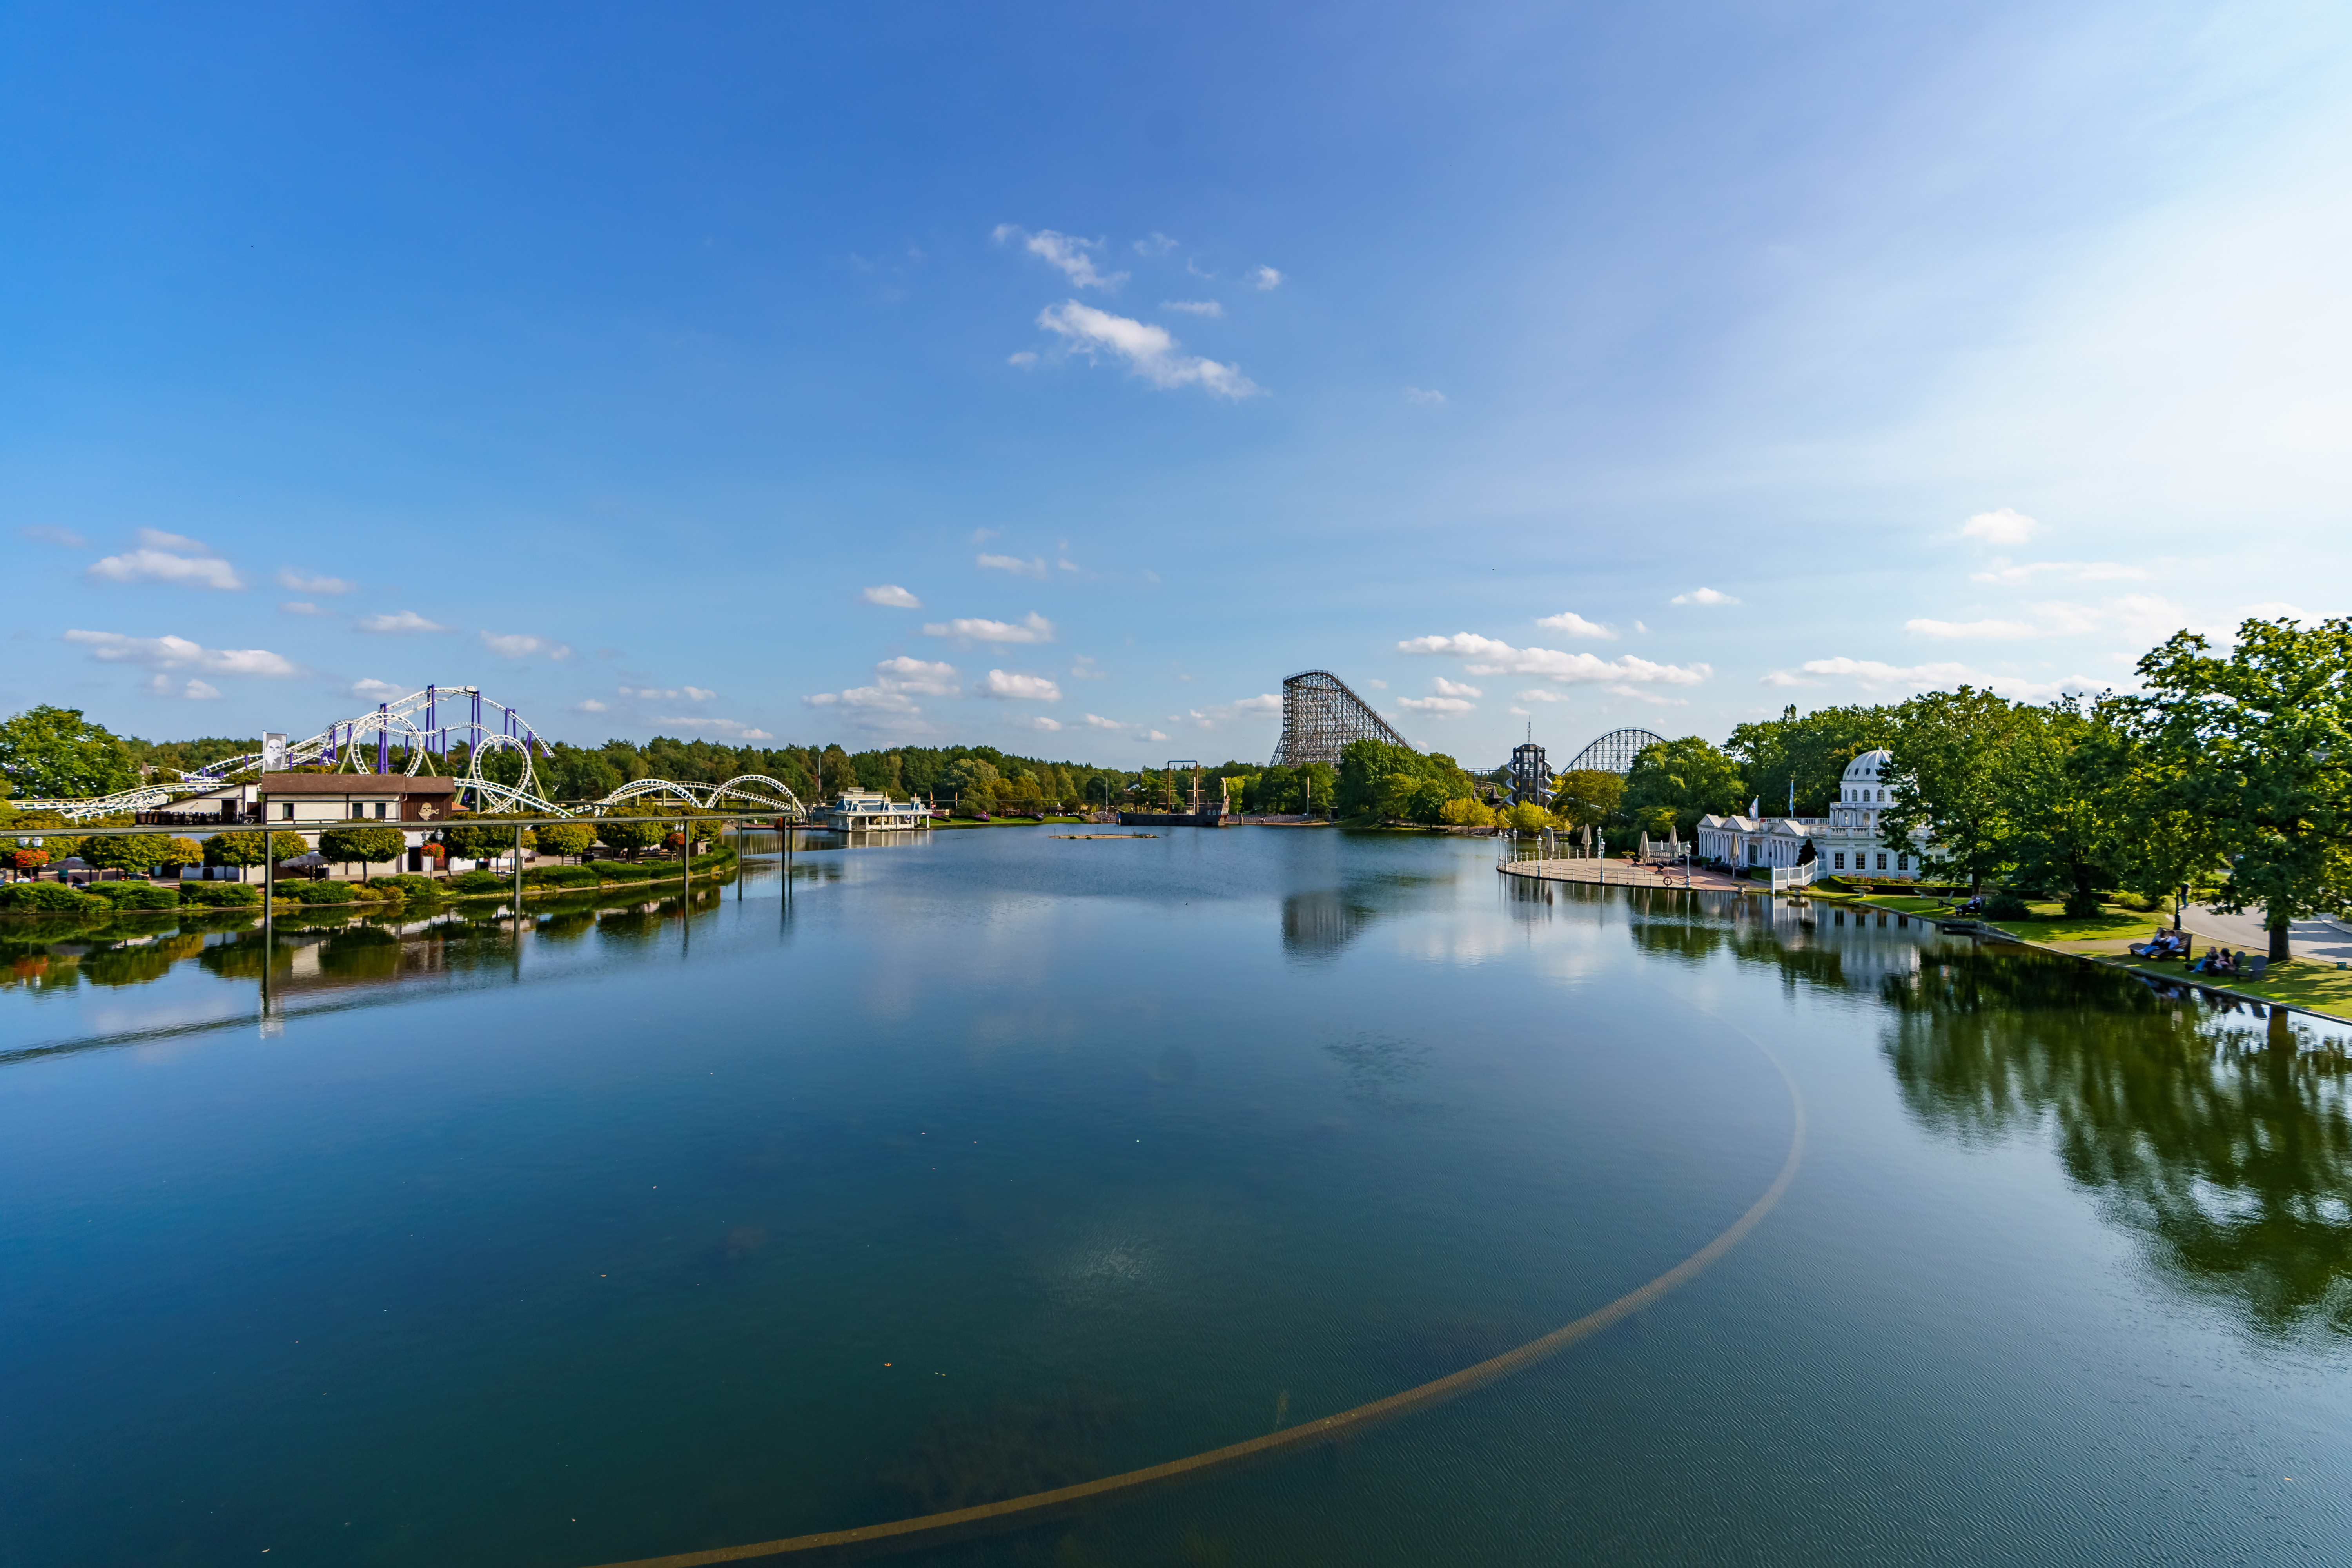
(2325,939)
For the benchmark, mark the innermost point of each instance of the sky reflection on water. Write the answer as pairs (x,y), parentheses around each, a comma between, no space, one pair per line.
(595,1241)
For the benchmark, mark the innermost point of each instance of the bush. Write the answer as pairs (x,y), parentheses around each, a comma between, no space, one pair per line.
(220,895)
(318,894)
(478,882)
(2007,905)
(622,872)
(50,895)
(406,885)
(560,877)
(136,895)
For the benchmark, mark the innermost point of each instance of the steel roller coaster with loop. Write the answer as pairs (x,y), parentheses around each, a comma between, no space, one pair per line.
(413,731)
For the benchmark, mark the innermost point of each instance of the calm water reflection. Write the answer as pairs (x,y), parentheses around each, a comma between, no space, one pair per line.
(997,1162)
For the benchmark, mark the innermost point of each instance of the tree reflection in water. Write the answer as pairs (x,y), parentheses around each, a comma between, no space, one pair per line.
(2227,1144)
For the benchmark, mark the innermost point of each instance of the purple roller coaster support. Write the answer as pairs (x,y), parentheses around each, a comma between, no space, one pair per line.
(384,737)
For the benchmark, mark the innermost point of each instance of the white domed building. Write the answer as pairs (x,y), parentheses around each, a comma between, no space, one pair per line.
(1845,843)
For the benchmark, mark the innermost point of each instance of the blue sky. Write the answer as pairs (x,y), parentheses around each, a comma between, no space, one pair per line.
(1063,377)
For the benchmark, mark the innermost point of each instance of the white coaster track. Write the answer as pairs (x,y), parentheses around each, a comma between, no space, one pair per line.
(340,746)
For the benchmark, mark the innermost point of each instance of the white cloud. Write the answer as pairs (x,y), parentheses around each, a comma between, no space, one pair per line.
(1640,696)
(931,678)
(2081,571)
(1085,668)
(1576,625)
(1264,277)
(1445,688)
(1024,359)
(1440,706)
(45,534)
(1039,722)
(1378,685)
(191,690)
(893,596)
(1496,658)
(1036,628)
(1518,712)
(156,539)
(1062,251)
(1149,351)
(1019,688)
(167,558)
(1155,734)
(1096,721)
(399,621)
(522,645)
(1033,567)
(298,608)
(304,583)
(669,694)
(1968,629)
(1428,397)
(2151,618)
(1218,714)
(1193,306)
(732,728)
(374,690)
(2006,526)
(1703,596)
(1157,243)
(1877,676)
(179,653)
(1538,694)
(590,705)
(873,698)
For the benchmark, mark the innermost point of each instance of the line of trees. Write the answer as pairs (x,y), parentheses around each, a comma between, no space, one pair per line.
(2228,772)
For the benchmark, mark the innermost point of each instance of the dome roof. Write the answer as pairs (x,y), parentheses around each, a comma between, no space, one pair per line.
(1868,764)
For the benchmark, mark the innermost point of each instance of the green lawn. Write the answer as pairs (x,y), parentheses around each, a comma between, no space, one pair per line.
(2299,983)
(2053,924)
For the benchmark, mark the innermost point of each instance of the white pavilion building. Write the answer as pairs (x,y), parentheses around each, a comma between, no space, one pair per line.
(1846,842)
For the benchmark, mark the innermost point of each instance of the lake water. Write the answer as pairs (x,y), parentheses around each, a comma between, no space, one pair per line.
(955,1170)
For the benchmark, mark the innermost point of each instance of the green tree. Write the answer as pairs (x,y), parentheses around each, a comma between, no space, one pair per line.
(55,753)
(1381,781)
(1588,797)
(629,833)
(2258,744)
(366,845)
(1951,774)
(1673,783)
(1810,751)
(1525,817)
(119,851)
(1468,811)
(566,838)
(235,849)
(2063,823)
(482,837)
